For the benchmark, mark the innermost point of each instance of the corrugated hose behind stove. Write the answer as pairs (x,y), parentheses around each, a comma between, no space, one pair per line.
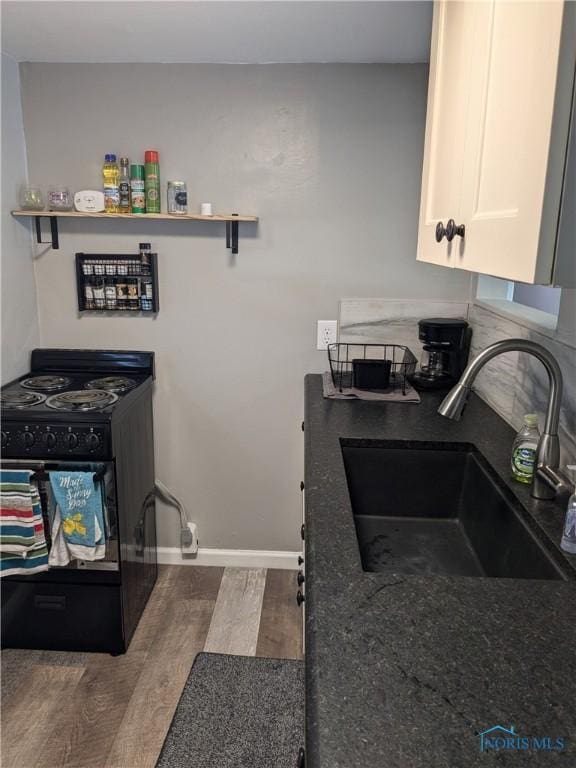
(166,495)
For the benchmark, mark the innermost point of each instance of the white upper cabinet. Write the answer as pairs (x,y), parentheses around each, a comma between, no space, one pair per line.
(448,97)
(495,158)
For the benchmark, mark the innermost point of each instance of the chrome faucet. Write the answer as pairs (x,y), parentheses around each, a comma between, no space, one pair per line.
(548,480)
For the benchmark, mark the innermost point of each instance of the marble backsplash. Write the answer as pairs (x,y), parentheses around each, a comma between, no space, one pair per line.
(515,384)
(381,321)
(512,384)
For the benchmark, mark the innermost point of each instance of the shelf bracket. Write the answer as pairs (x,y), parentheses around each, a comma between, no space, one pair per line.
(53,231)
(232,235)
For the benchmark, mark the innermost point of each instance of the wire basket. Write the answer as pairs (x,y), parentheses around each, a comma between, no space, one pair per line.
(341,358)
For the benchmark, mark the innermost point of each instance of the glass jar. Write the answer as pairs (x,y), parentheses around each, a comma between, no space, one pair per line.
(31,198)
(177,198)
(59,198)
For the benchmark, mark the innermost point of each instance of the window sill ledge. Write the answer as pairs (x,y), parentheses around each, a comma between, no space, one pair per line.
(528,317)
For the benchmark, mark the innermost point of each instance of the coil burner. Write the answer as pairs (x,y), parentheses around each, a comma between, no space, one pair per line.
(47,383)
(112,384)
(21,400)
(82,400)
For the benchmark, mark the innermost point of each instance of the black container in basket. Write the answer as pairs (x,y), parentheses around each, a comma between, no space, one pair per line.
(384,367)
(371,374)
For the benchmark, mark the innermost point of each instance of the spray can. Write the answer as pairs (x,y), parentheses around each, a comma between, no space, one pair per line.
(152,181)
(137,187)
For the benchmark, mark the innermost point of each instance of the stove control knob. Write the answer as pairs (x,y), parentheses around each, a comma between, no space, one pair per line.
(50,440)
(4,439)
(71,441)
(28,439)
(92,441)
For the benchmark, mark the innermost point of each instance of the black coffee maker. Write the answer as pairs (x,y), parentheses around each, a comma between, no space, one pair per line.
(445,355)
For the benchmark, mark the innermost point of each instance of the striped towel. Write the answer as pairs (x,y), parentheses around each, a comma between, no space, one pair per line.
(23,547)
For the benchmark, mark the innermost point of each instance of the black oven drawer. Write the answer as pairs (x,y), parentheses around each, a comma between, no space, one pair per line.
(62,617)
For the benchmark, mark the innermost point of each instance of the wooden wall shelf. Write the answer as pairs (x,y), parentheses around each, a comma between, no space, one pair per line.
(230,219)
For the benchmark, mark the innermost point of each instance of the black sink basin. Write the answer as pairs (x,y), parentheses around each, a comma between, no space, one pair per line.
(429,508)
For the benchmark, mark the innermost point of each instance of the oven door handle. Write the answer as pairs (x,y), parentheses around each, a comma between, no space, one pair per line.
(42,475)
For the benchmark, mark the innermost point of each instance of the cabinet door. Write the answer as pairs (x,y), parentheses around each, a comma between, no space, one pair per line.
(510,189)
(302,557)
(448,97)
(565,263)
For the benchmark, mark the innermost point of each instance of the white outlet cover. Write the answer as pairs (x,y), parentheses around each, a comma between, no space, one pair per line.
(327,333)
(193,547)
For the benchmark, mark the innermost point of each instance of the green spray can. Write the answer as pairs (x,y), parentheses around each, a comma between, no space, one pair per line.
(137,189)
(152,181)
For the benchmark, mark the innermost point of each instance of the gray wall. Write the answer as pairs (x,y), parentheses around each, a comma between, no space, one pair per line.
(330,157)
(19,310)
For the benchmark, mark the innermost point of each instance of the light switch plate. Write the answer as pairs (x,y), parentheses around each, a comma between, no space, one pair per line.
(327,333)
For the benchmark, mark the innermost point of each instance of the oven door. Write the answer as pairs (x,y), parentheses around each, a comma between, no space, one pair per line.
(104,570)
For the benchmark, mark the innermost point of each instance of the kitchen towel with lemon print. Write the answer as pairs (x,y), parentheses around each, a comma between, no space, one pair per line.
(78,529)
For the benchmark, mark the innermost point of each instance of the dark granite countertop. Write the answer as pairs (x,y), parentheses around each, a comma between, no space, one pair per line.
(406,671)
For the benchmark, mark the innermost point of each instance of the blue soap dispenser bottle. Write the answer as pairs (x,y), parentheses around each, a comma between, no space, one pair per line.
(568,542)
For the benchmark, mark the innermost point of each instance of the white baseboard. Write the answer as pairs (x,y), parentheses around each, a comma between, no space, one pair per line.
(238,558)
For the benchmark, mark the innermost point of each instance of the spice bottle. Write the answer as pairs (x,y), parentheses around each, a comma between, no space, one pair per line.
(98,295)
(132,285)
(124,186)
(152,181)
(145,253)
(121,294)
(146,294)
(88,296)
(110,296)
(137,188)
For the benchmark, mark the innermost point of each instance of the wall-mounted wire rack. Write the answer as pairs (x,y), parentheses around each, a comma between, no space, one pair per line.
(342,357)
(117,282)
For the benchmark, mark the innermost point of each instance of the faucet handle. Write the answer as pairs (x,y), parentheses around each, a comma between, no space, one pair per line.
(555,479)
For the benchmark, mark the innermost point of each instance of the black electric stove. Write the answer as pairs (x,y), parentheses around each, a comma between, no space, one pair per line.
(80,410)
(66,405)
